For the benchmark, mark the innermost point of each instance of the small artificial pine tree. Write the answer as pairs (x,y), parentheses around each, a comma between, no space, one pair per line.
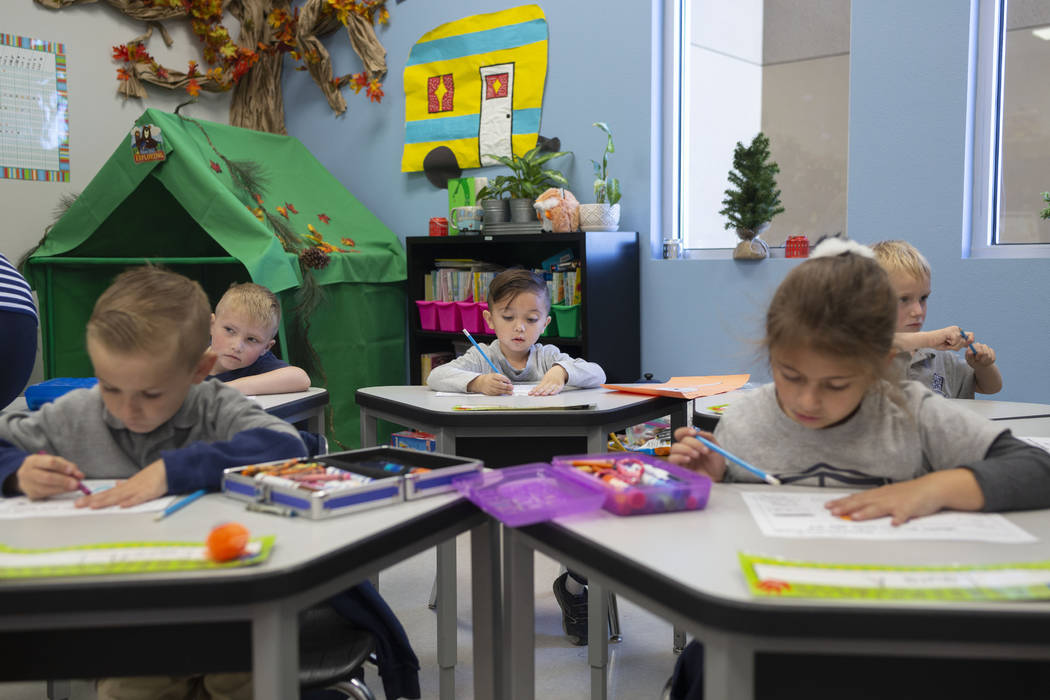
(754,198)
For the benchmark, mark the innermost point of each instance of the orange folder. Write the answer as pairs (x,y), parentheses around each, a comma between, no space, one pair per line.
(687,387)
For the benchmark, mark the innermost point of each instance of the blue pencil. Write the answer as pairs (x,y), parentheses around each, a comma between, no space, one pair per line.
(180,504)
(964,340)
(728,455)
(471,339)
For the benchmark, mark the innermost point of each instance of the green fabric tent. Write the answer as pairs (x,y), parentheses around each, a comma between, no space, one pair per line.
(186,213)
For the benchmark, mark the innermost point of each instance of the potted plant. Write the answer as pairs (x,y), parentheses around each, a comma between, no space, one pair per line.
(528,179)
(754,199)
(492,199)
(604,215)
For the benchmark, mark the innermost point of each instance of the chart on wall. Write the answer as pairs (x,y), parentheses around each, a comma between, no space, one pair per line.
(34,125)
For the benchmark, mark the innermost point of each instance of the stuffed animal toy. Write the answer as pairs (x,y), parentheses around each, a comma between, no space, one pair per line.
(558,210)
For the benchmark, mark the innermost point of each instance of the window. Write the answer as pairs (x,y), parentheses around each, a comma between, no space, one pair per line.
(1011,129)
(777,66)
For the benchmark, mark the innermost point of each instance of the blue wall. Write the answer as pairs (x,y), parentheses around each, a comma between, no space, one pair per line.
(908,86)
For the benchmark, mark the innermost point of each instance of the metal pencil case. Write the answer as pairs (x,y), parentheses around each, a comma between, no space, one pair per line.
(254,484)
(424,473)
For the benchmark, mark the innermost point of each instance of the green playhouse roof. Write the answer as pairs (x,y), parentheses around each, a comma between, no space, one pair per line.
(187,205)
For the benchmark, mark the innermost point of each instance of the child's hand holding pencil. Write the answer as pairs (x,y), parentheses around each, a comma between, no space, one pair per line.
(695,449)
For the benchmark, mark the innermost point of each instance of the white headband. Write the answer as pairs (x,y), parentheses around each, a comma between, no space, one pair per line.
(831,247)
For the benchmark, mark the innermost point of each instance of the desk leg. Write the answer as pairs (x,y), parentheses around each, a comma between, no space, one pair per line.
(446,617)
(729,667)
(680,417)
(598,639)
(445,441)
(519,618)
(368,428)
(275,652)
(485,608)
(597,441)
(315,423)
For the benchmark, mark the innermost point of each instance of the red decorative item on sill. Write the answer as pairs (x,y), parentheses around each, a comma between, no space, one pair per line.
(797,247)
(438,226)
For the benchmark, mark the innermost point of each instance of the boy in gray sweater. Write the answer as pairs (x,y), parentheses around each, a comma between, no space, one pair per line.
(519,310)
(152,421)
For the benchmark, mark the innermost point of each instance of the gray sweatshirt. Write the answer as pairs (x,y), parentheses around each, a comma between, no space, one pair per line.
(456,375)
(884,442)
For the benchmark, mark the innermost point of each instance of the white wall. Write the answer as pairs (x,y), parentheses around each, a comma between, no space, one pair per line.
(725,58)
(98,118)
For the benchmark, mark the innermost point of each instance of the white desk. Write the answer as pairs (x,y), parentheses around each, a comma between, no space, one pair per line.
(422,408)
(684,567)
(111,619)
(1001,410)
(298,406)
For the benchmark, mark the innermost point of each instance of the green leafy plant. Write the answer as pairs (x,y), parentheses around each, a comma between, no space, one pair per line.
(1045,214)
(754,198)
(605,187)
(496,189)
(528,178)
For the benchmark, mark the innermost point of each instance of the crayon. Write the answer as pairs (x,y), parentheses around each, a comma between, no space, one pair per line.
(180,504)
(970,344)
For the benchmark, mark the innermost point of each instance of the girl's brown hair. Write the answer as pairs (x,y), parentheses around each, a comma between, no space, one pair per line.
(839,305)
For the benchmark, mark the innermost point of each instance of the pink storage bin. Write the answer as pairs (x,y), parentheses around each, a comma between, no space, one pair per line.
(448,316)
(485,327)
(470,316)
(427,315)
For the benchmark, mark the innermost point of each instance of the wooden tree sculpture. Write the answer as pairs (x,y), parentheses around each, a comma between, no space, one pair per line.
(251,66)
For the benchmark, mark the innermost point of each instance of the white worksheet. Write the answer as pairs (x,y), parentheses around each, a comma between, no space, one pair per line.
(519,390)
(61,505)
(780,513)
(1040,442)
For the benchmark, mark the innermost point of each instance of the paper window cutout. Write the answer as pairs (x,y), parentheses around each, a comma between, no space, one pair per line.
(440,90)
(496,85)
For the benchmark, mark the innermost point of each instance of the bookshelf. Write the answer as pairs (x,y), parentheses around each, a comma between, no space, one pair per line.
(609,306)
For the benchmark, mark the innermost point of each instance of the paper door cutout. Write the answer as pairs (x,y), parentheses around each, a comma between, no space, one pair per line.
(475,86)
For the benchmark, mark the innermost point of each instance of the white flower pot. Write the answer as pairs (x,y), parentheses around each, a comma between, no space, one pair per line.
(600,217)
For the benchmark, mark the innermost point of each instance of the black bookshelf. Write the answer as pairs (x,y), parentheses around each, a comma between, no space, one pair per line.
(609,307)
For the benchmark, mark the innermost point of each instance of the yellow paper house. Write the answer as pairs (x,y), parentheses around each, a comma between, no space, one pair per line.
(476,86)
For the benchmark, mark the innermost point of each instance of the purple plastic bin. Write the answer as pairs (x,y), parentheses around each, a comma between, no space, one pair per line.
(683,490)
(470,316)
(529,493)
(485,327)
(427,315)
(448,316)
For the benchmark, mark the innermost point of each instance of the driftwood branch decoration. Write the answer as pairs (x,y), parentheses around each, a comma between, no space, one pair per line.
(251,66)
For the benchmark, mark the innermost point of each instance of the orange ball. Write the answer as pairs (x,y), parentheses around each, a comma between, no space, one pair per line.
(227,541)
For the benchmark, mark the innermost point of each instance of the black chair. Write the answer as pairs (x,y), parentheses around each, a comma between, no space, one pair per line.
(332,652)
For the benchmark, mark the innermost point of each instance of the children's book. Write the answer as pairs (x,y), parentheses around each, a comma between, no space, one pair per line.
(686,387)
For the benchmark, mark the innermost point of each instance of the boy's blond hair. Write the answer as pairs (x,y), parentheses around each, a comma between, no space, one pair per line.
(901,256)
(150,309)
(254,301)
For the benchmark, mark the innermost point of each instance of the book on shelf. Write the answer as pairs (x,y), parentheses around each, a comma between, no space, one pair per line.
(429,360)
(459,279)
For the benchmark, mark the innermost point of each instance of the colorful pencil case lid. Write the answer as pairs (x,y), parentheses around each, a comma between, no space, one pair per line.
(529,493)
(635,483)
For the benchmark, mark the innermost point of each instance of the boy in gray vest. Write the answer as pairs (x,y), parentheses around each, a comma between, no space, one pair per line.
(152,420)
(930,357)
